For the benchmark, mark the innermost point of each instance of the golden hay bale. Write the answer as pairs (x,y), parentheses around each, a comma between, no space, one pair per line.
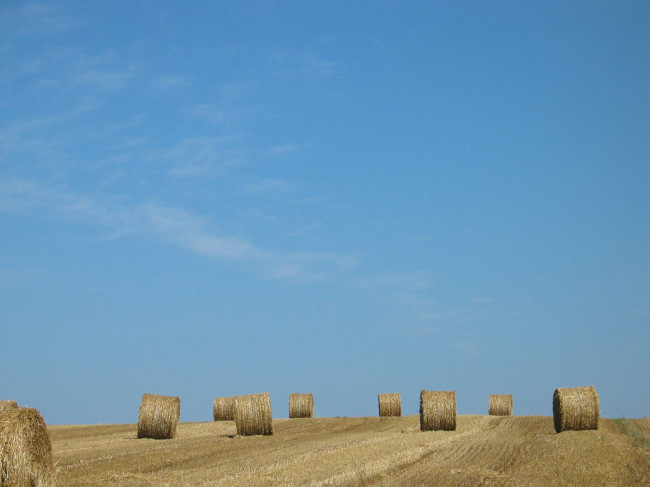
(390,404)
(223,409)
(301,405)
(25,449)
(253,414)
(158,417)
(7,405)
(437,410)
(575,408)
(500,405)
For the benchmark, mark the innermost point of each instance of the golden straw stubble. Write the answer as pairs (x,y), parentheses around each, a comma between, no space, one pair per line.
(25,449)
(159,416)
(576,408)
(253,414)
(437,410)
(390,404)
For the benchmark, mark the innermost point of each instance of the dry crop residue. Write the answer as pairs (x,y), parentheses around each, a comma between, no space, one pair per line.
(484,450)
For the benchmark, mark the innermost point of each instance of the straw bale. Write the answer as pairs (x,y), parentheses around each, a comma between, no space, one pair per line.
(301,405)
(437,410)
(7,405)
(223,409)
(575,408)
(390,404)
(500,405)
(158,417)
(253,414)
(25,449)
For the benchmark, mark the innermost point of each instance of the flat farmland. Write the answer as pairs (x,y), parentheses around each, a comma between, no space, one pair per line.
(484,450)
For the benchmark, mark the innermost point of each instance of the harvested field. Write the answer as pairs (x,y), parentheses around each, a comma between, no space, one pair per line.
(494,450)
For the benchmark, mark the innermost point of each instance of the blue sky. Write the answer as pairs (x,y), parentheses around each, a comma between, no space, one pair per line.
(346,198)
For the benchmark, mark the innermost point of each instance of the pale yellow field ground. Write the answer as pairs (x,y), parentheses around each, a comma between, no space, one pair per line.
(484,450)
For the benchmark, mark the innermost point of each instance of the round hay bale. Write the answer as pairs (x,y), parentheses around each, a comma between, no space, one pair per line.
(253,414)
(223,409)
(4,405)
(390,404)
(575,408)
(301,406)
(500,405)
(25,449)
(437,410)
(158,417)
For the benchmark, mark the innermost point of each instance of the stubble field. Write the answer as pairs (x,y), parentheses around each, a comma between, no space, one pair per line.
(484,450)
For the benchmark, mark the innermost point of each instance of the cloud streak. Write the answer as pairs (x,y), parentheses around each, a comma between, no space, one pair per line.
(201,156)
(269,187)
(296,63)
(43,17)
(105,80)
(174,225)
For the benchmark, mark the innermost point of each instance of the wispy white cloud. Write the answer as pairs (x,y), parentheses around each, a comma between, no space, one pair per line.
(202,156)
(481,299)
(104,79)
(269,187)
(297,63)
(235,92)
(19,137)
(409,280)
(20,195)
(165,82)
(48,145)
(408,293)
(423,331)
(189,231)
(224,115)
(429,317)
(281,150)
(47,18)
(13,279)
(467,347)
(304,230)
(311,200)
(179,227)
(460,315)
(338,261)
(262,215)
